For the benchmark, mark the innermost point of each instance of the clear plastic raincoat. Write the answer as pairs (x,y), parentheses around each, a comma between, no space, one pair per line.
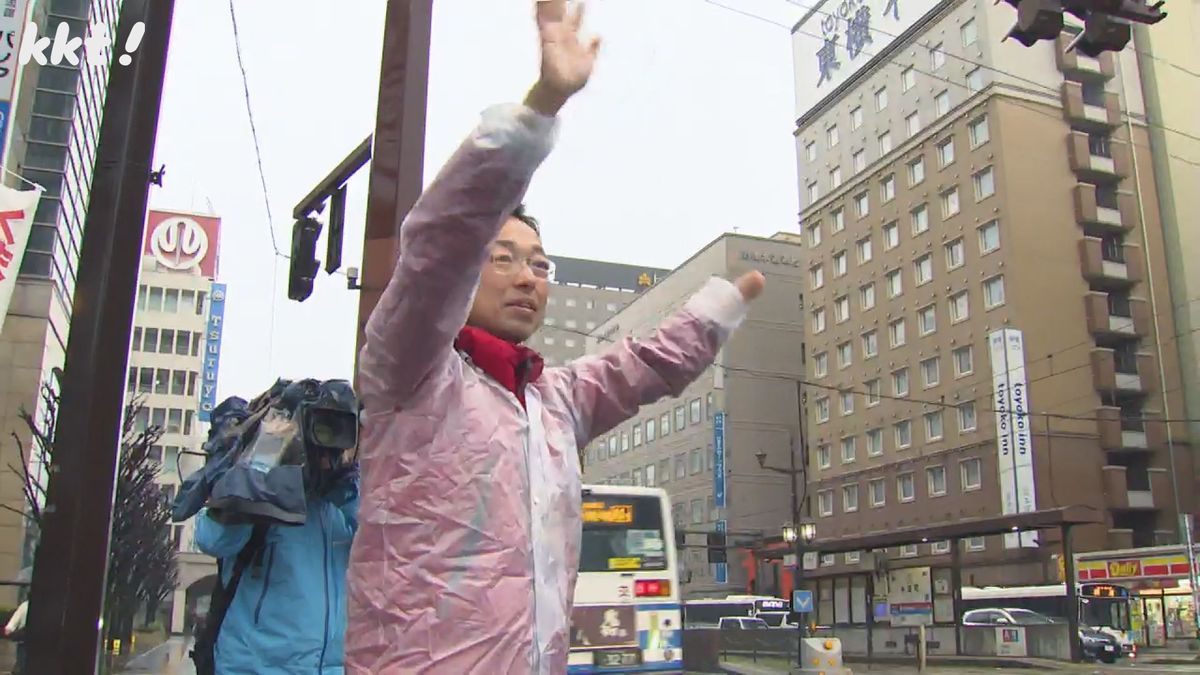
(469,525)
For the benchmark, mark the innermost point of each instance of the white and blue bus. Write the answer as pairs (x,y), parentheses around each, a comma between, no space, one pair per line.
(627,617)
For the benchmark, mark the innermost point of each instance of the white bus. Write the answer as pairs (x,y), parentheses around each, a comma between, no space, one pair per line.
(702,612)
(627,617)
(1104,607)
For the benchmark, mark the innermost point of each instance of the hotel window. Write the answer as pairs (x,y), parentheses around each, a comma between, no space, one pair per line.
(942,103)
(950,204)
(835,178)
(931,372)
(816,277)
(845,355)
(874,442)
(849,450)
(900,382)
(945,151)
(681,467)
(831,136)
(937,57)
(913,124)
(975,80)
(839,219)
(968,33)
(972,474)
(680,417)
(940,547)
(975,544)
(964,361)
(860,160)
(839,264)
(571,302)
(933,426)
(664,471)
(849,498)
(814,193)
(814,235)
(966,418)
(624,441)
(960,308)
(895,283)
(891,236)
(825,502)
(570,323)
(694,411)
(927,319)
(821,364)
(885,143)
(906,490)
(863,246)
(651,430)
(856,117)
(903,430)
(637,435)
(977,131)
(896,333)
(923,269)
(881,99)
(908,78)
(810,151)
(870,344)
(936,478)
(887,188)
(989,237)
(650,482)
(920,219)
(874,392)
(847,398)
(866,296)
(822,410)
(955,254)
(818,320)
(877,491)
(841,309)
(916,171)
(824,456)
(985,184)
(697,461)
(664,425)
(993,292)
(862,204)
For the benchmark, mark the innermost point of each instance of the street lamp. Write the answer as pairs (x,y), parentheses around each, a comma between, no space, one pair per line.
(799,533)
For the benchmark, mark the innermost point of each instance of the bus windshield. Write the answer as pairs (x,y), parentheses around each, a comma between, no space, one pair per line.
(1104,612)
(622,533)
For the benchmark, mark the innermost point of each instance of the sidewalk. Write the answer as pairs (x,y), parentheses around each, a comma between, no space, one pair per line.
(169,658)
(963,665)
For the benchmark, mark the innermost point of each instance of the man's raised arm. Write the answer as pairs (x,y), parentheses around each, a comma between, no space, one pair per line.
(444,240)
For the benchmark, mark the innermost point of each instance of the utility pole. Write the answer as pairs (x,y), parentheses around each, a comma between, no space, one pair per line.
(67,598)
(397,160)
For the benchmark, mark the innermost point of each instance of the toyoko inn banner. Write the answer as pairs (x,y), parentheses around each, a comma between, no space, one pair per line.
(1014,440)
(16,217)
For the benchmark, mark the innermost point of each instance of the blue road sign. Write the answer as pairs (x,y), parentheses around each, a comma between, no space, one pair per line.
(722,568)
(802,602)
(719,498)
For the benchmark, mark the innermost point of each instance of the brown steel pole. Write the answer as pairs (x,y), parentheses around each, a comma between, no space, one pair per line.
(398,156)
(71,564)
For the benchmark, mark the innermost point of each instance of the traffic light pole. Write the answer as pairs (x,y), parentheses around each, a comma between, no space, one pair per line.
(398,156)
(70,568)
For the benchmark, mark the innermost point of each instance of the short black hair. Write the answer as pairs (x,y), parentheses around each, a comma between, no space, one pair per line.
(520,214)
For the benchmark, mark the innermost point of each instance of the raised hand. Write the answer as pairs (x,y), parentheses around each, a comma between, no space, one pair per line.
(567,57)
(751,285)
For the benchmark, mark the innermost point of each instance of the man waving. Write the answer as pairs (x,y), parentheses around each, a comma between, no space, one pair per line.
(469,526)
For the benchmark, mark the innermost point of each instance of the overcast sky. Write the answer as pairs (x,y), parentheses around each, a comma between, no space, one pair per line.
(684,133)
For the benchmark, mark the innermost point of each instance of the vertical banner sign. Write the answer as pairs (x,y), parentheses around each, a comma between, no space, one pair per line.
(16,217)
(1189,540)
(722,574)
(719,460)
(1014,439)
(212,351)
(12,28)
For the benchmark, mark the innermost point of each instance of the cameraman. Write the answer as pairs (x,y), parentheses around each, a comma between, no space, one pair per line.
(288,611)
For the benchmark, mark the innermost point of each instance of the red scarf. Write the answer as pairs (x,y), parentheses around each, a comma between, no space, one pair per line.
(512,365)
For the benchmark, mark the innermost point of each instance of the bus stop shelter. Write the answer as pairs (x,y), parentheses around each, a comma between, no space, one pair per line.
(1063,519)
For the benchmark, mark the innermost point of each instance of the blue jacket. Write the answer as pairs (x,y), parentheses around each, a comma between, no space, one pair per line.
(289,614)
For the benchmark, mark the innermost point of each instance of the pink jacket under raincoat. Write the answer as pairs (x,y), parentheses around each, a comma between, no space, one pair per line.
(469,524)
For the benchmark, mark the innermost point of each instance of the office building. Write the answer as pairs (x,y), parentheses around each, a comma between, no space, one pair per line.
(54,128)
(584,294)
(172,362)
(979,217)
(752,393)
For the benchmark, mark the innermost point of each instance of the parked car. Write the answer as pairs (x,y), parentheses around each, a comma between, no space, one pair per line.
(742,623)
(1096,645)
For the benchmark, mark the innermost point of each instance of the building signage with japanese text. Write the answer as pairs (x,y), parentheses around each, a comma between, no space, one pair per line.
(212,351)
(16,220)
(836,38)
(771,258)
(719,497)
(12,30)
(1014,442)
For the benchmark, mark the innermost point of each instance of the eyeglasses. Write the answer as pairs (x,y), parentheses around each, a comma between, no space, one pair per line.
(507,264)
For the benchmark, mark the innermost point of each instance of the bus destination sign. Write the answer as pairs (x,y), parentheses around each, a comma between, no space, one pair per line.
(608,514)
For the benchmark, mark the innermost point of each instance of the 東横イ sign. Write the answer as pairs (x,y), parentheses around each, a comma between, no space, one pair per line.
(212,351)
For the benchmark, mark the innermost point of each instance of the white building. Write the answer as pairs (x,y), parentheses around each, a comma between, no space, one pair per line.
(172,366)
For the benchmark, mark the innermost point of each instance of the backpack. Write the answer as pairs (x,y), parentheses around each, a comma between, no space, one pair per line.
(203,652)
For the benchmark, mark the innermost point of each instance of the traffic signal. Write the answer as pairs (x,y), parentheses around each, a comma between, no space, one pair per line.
(304,264)
(1106,23)
(716,548)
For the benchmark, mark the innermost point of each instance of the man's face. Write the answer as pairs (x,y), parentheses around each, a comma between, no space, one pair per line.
(513,285)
